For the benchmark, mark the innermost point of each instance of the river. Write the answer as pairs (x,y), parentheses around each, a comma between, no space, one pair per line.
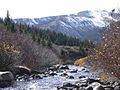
(51,82)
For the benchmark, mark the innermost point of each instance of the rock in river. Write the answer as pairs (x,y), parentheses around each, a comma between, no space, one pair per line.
(6,79)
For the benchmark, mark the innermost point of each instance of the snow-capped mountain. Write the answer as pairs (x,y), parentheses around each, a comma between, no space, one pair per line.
(84,25)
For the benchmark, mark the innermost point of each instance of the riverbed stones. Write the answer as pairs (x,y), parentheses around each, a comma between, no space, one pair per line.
(68,73)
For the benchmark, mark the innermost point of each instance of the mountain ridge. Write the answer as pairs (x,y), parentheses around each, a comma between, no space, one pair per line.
(83,25)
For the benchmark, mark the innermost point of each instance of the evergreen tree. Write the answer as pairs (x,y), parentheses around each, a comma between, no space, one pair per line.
(39,40)
(7,21)
(1,20)
(12,28)
(33,37)
(20,28)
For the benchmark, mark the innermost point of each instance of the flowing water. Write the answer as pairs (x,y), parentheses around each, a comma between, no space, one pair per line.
(51,82)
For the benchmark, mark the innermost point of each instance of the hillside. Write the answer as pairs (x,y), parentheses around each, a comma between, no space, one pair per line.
(21,44)
(30,53)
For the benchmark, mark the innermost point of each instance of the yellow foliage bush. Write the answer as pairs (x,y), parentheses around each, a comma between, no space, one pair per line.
(8,48)
(8,54)
(81,61)
(104,77)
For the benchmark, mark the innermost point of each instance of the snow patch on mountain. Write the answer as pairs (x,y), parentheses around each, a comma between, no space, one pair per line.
(64,24)
(85,24)
(33,20)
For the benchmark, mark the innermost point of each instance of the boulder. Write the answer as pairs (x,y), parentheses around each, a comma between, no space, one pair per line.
(82,81)
(53,74)
(89,80)
(82,84)
(74,71)
(117,83)
(117,87)
(70,77)
(99,88)
(68,85)
(95,86)
(21,70)
(54,67)
(109,88)
(45,75)
(64,67)
(64,74)
(36,76)
(36,72)
(80,77)
(89,88)
(6,79)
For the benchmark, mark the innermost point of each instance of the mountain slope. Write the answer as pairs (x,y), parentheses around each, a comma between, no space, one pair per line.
(84,25)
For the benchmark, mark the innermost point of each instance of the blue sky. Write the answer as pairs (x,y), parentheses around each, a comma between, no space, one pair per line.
(43,8)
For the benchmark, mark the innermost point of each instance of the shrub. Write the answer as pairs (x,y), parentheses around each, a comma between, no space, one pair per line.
(7,55)
(20,49)
(81,61)
(108,52)
(104,77)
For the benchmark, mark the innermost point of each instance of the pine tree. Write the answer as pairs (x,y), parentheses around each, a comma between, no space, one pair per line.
(1,20)
(20,28)
(39,41)
(33,37)
(12,28)
(7,21)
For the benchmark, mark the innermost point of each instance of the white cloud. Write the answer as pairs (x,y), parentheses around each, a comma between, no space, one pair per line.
(42,8)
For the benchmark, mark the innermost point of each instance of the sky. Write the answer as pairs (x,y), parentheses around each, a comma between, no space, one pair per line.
(43,8)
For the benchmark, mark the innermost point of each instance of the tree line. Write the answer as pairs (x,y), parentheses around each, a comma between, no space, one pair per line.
(27,45)
(44,37)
